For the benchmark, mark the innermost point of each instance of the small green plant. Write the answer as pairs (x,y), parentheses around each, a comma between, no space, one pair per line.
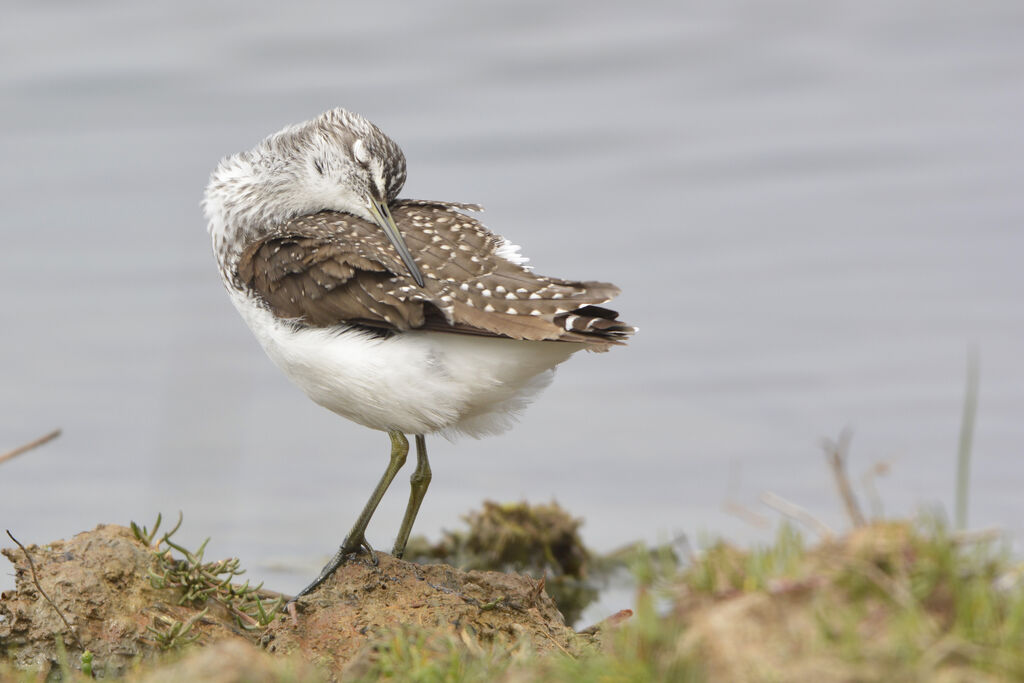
(199,581)
(175,633)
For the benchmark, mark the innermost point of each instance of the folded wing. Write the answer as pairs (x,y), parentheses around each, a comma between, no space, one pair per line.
(331,268)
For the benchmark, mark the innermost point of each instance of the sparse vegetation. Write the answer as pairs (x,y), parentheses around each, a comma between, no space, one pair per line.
(198,581)
(899,601)
(894,601)
(890,600)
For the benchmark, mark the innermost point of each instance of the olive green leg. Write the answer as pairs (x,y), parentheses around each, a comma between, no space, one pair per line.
(420,481)
(356,538)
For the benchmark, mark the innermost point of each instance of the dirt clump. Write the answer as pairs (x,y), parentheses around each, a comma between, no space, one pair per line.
(363,602)
(887,599)
(112,589)
(99,582)
(541,541)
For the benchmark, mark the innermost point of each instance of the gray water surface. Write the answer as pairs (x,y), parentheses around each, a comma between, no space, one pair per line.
(813,211)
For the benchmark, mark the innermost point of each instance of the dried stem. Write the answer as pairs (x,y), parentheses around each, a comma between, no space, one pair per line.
(794,511)
(606,624)
(963,459)
(741,511)
(868,479)
(29,446)
(836,452)
(39,587)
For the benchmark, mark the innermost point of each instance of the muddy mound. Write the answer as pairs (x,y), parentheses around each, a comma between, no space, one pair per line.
(522,538)
(126,601)
(99,582)
(363,602)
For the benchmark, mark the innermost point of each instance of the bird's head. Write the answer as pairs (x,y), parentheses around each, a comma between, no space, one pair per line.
(338,161)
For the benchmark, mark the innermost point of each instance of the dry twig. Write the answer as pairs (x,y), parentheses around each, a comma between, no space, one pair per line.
(39,587)
(794,511)
(614,620)
(868,479)
(737,509)
(741,511)
(963,459)
(29,446)
(836,453)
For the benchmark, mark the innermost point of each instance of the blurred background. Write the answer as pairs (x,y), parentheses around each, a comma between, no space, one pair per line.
(813,210)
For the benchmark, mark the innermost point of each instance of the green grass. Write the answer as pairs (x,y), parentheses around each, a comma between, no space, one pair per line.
(900,601)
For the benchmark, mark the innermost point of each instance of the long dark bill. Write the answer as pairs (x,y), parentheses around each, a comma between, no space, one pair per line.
(382,215)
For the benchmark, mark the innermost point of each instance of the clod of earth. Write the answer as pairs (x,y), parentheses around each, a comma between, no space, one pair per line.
(101,581)
(542,541)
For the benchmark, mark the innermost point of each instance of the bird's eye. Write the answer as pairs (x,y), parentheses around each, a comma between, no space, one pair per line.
(319,166)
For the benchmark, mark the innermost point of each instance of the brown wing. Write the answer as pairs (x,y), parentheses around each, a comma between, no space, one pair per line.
(330,268)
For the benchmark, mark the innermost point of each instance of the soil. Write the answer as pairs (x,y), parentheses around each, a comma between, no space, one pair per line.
(100,582)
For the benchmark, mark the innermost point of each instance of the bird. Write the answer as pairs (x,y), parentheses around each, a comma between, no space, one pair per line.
(405,316)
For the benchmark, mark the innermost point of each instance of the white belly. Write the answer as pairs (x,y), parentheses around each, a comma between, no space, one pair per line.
(414,382)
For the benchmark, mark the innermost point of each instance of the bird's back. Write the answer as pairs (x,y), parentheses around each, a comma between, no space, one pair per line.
(332,268)
(331,303)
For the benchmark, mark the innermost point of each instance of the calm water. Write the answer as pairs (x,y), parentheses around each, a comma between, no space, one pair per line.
(813,213)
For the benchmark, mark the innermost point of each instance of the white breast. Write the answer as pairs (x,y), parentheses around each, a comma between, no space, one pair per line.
(416,382)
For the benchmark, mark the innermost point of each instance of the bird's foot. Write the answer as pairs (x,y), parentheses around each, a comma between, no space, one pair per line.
(348,550)
(398,551)
(363,545)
